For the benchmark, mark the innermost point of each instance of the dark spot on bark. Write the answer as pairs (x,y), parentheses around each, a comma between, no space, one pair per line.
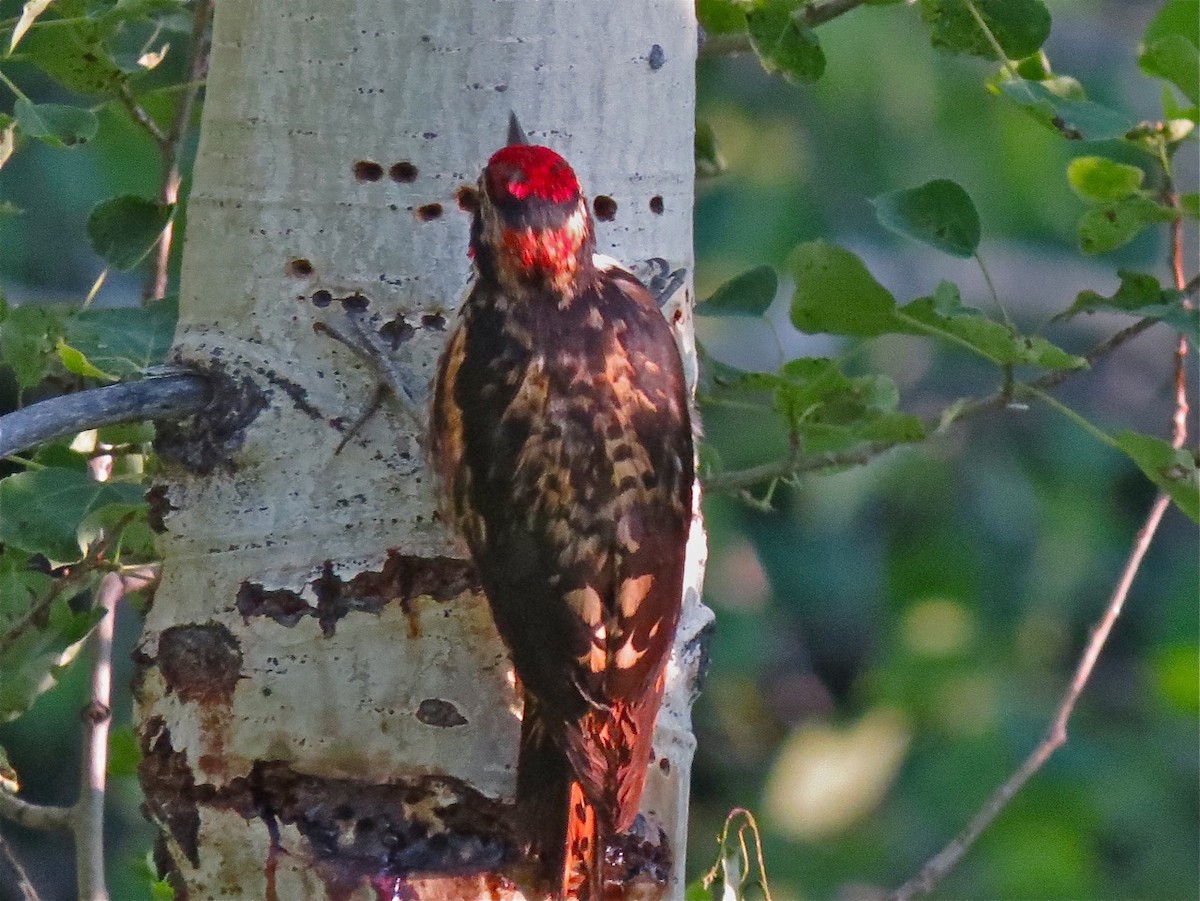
(467,198)
(403,172)
(396,331)
(435,321)
(300,268)
(656,204)
(657,58)
(429,135)
(355,301)
(429,212)
(207,440)
(159,505)
(443,714)
(322,298)
(285,607)
(367,170)
(501,88)
(604,207)
(169,787)
(297,393)
(664,765)
(200,662)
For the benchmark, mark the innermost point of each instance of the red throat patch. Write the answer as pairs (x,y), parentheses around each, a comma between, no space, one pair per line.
(523,171)
(552,250)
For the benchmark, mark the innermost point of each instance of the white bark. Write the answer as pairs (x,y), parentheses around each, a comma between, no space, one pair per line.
(300,91)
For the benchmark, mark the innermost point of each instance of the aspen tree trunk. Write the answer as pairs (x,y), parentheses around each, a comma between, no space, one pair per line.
(324,706)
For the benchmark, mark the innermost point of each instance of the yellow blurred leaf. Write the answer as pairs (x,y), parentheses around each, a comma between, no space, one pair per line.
(827,778)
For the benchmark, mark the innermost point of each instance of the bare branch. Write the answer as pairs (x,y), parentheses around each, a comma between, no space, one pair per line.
(28,892)
(794,466)
(172,145)
(88,820)
(170,396)
(34,816)
(946,859)
(141,117)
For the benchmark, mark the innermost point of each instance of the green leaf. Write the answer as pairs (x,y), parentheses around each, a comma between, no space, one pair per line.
(124,229)
(75,55)
(55,124)
(1020,27)
(1174,471)
(939,213)
(28,335)
(1178,17)
(1137,290)
(124,754)
(44,508)
(29,14)
(721,16)
(125,340)
(1112,225)
(77,363)
(1174,59)
(1190,204)
(783,42)
(1099,179)
(708,157)
(35,658)
(944,316)
(748,294)
(1073,117)
(836,294)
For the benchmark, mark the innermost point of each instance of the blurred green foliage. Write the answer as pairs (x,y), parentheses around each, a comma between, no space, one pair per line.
(892,641)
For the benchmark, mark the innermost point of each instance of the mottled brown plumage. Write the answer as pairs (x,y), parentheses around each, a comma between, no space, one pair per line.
(560,430)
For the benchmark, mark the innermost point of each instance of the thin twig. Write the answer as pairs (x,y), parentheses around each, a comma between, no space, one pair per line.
(141,117)
(794,466)
(28,892)
(172,149)
(170,396)
(88,820)
(946,859)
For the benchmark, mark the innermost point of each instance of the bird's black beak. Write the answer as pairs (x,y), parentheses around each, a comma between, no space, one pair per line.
(516,135)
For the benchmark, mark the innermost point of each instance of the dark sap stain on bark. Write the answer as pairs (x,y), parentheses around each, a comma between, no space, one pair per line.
(207,440)
(170,789)
(200,663)
(297,393)
(440,713)
(359,831)
(159,506)
(403,578)
(285,607)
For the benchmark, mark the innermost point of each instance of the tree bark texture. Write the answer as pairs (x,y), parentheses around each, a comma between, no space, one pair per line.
(323,703)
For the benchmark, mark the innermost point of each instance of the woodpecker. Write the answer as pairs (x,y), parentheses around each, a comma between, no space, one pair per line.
(560,430)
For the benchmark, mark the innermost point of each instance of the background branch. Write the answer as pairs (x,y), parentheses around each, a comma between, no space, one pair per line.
(172,144)
(19,876)
(88,818)
(170,396)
